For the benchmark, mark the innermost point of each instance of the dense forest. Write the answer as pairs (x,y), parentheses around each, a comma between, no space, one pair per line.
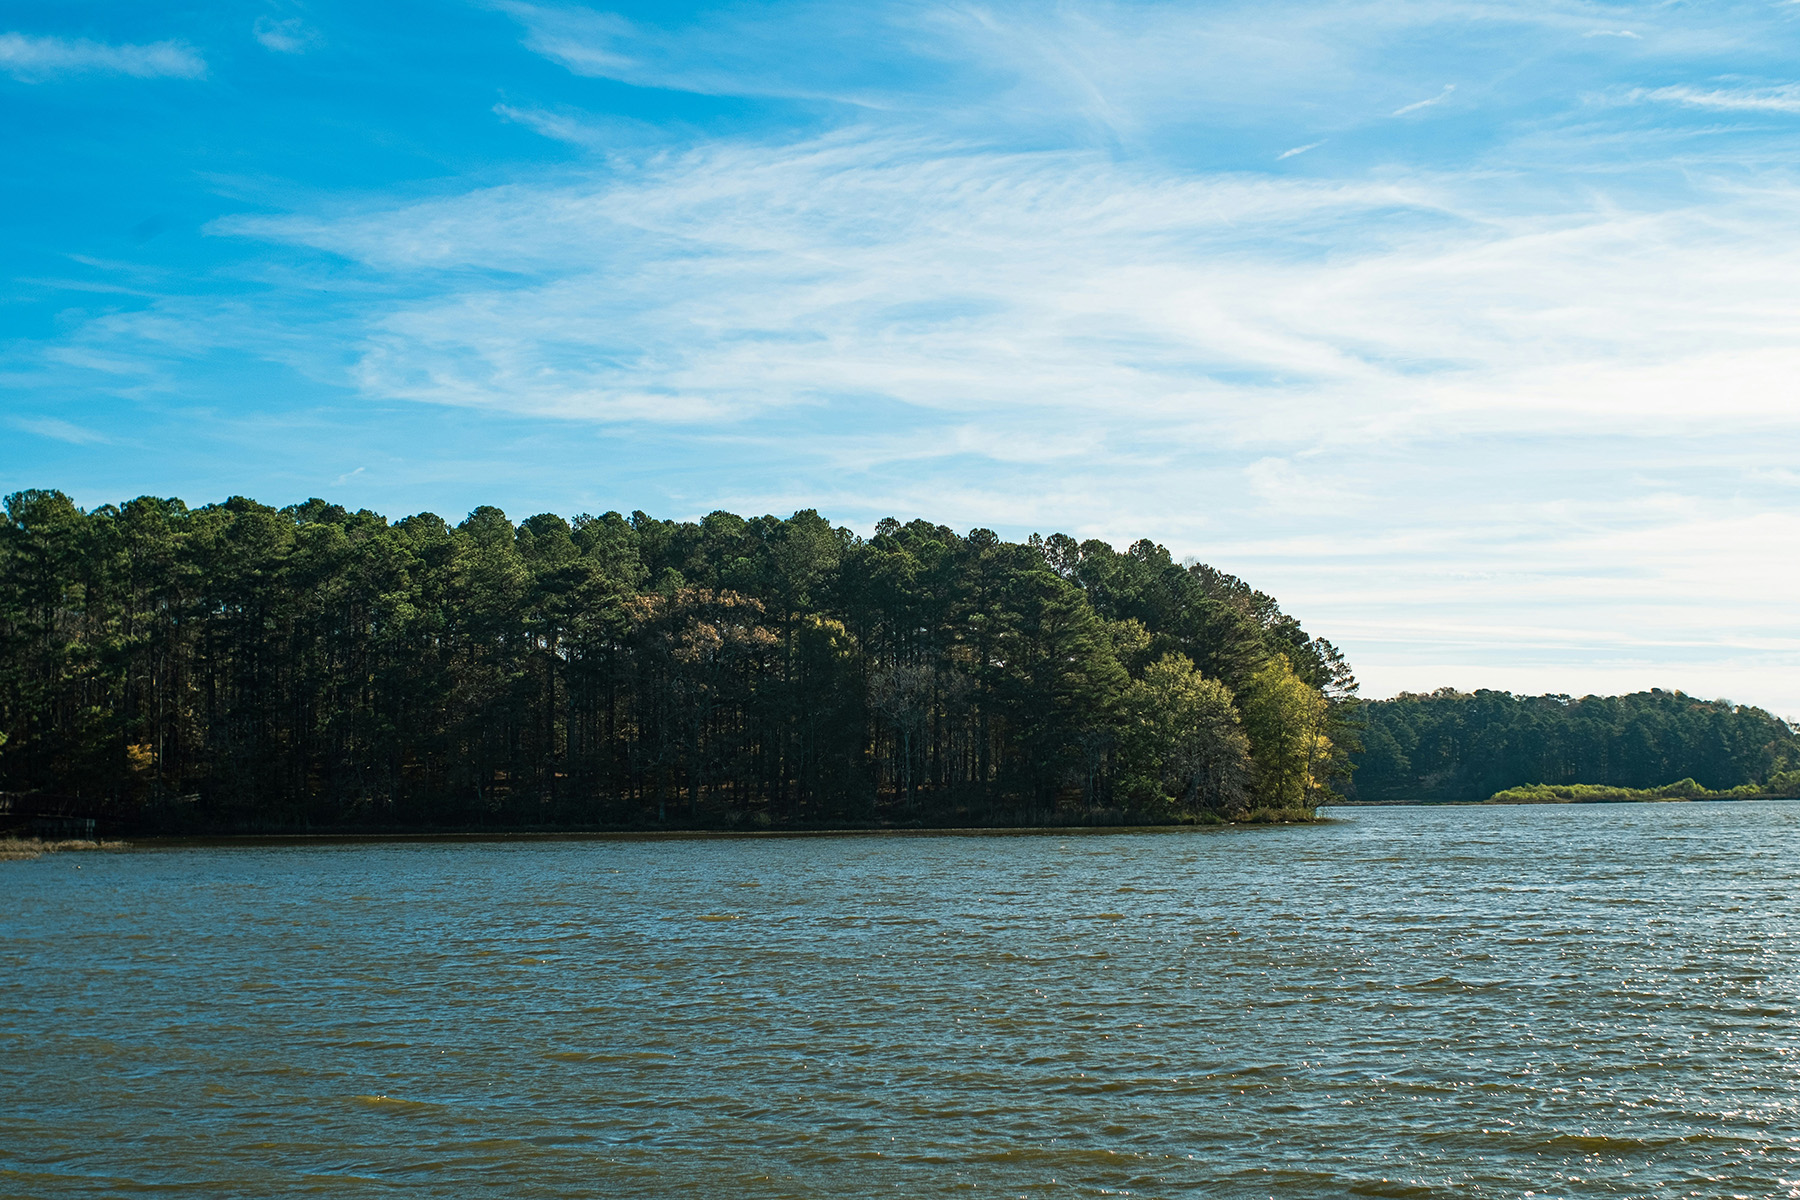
(241,667)
(1452,745)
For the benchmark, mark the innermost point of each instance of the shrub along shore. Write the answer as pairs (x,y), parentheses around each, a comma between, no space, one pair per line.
(1784,785)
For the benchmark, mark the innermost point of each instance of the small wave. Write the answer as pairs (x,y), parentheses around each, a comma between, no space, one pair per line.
(1600,1143)
(1391,1187)
(385,1101)
(1450,983)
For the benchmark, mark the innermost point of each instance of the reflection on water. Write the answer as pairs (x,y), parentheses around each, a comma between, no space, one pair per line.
(1407,1002)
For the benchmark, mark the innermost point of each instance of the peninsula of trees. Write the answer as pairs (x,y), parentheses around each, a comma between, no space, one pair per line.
(241,667)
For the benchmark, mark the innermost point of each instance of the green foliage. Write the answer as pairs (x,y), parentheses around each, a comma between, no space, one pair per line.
(1182,748)
(1451,745)
(1288,722)
(1593,793)
(236,666)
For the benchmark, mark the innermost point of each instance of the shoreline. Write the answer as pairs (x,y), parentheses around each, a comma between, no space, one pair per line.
(1544,803)
(17,849)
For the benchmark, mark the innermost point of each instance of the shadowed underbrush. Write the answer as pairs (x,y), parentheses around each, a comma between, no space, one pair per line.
(1278,816)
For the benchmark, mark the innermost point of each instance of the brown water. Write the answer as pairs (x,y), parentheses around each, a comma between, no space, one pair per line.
(1588,1001)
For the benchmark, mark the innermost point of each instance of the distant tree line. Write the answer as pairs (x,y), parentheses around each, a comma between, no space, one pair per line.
(1452,745)
(237,667)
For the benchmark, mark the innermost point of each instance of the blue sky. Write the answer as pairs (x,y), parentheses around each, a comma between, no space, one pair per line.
(1471,331)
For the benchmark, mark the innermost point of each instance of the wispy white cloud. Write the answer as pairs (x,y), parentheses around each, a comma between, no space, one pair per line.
(1286,154)
(1117,70)
(586,130)
(1780,476)
(561,127)
(739,278)
(578,38)
(33,59)
(1613,33)
(286,35)
(1416,105)
(1286,486)
(730,54)
(1783,98)
(59,430)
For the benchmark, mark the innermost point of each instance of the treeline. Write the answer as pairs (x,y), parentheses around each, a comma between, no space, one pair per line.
(1452,745)
(238,666)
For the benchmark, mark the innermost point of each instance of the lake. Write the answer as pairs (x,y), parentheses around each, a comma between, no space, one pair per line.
(1559,1001)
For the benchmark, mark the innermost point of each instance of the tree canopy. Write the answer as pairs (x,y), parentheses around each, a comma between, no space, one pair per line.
(237,666)
(1451,745)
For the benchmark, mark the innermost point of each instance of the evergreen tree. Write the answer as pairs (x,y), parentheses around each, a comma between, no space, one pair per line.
(235,666)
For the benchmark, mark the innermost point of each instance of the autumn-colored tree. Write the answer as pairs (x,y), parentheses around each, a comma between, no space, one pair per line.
(1286,721)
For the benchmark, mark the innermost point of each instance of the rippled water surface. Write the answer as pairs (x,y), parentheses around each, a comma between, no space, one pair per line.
(1404,1002)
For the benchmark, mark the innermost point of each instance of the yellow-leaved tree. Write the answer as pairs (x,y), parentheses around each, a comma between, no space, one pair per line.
(1285,719)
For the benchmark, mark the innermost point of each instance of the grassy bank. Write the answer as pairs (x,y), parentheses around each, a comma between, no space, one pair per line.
(15,849)
(1784,786)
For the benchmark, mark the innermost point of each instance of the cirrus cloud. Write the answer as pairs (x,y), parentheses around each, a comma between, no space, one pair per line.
(1784,98)
(34,59)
